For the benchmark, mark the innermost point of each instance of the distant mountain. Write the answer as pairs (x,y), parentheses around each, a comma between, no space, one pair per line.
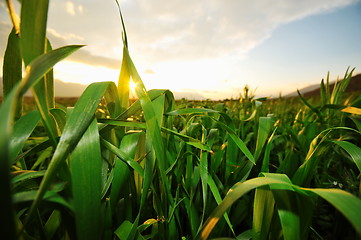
(188,95)
(66,89)
(314,90)
(62,89)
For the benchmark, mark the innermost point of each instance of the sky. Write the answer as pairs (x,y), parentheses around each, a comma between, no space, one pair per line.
(207,48)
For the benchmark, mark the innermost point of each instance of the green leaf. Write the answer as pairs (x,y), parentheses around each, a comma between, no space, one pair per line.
(190,111)
(189,140)
(348,204)
(26,175)
(60,118)
(33,29)
(152,125)
(34,72)
(124,230)
(215,192)
(352,110)
(52,225)
(76,125)
(85,167)
(264,128)
(12,69)
(123,123)
(237,191)
(263,207)
(267,152)
(353,150)
(241,145)
(33,44)
(304,172)
(21,132)
(50,196)
(43,64)
(124,83)
(287,206)
(123,156)
(314,109)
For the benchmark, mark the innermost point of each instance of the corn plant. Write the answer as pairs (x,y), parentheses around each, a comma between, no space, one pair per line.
(112,168)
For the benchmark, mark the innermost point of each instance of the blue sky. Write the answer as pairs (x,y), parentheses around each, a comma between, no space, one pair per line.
(303,51)
(208,48)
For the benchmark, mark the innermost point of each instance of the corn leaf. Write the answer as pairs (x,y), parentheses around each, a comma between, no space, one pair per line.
(12,69)
(234,193)
(34,72)
(76,125)
(52,225)
(21,132)
(352,110)
(264,128)
(33,44)
(348,204)
(353,150)
(85,167)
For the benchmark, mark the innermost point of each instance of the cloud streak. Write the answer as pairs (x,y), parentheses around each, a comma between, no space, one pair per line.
(208,29)
(83,56)
(73,9)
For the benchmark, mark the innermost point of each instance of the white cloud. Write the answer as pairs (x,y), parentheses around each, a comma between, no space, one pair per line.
(212,28)
(80,8)
(73,9)
(65,37)
(70,9)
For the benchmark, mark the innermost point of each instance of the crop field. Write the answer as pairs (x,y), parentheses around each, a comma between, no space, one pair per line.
(154,168)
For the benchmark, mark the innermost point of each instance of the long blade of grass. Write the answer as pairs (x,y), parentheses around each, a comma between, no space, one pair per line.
(263,207)
(34,16)
(21,132)
(190,111)
(152,126)
(52,225)
(60,118)
(33,44)
(43,64)
(121,175)
(76,125)
(264,128)
(26,175)
(34,72)
(348,204)
(234,193)
(203,167)
(217,196)
(85,167)
(353,150)
(50,196)
(12,69)
(124,83)
(241,145)
(304,172)
(287,206)
(314,109)
(267,152)
(123,156)
(134,108)
(352,110)
(189,140)
(341,86)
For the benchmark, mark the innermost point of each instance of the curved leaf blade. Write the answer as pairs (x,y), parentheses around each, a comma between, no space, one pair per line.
(85,167)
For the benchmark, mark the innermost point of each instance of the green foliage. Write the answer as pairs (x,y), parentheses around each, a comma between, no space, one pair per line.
(111,168)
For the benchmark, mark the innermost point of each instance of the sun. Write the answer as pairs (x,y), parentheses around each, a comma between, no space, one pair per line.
(132,86)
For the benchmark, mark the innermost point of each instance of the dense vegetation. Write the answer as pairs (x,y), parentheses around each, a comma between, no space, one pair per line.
(154,169)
